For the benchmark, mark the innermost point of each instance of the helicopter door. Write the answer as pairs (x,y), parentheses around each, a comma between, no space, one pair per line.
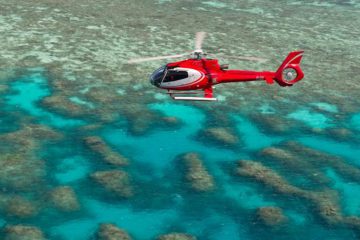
(177,77)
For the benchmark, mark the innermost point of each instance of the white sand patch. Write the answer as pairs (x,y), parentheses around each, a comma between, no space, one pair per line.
(216,4)
(325,107)
(79,101)
(121,92)
(160,96)
(312,119)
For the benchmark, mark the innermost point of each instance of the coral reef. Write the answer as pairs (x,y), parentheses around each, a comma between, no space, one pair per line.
(106,100)
(114,181)
(40,132)
(265,175)
(23,232)
(90,127)
(321,159)
(140,125)
(20,171)
(103,95)
(271,216)
(176,236)
(300,165)
(3,88)
(20,207)
(196,173)
(62,105)
(271,123)
(170,122)
(4,199)
(279,153)
(29,137)
(20,168)
(64,199)
(97,145)
(108,231)
(353,222)
(325,203)
(6,75)
(220,135)
(341,134)
(309,163)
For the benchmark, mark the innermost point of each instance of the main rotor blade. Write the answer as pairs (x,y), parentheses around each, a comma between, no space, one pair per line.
(249,58)
(240,57)
(138,60)
(199,40)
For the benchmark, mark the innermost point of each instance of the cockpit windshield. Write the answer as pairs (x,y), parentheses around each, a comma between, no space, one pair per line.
(157,76)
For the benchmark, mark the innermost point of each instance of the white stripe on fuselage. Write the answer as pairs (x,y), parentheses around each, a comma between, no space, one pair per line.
(193,77)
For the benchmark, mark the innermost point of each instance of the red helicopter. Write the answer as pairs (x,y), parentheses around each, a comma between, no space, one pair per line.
(199,74)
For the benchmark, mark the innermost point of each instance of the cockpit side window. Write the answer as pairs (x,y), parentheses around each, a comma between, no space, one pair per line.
(174,75)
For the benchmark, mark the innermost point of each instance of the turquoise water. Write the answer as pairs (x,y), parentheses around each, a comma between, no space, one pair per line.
(72,169)
(355,121)
(349,191)
(163,201)
(26,96)
(86,140)
(162,147)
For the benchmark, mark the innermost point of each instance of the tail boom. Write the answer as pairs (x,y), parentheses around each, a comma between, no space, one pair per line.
(287,74)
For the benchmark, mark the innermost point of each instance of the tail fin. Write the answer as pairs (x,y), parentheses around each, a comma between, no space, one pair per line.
(289,71)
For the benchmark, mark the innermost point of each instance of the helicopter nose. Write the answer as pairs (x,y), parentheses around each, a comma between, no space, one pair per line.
(152,80)
(157,76)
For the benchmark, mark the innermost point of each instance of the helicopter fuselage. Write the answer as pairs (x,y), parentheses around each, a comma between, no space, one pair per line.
(202,74)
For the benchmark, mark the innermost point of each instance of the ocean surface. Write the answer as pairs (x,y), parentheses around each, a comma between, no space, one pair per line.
(89,149)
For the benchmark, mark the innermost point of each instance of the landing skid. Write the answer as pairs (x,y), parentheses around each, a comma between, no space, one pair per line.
(208,95)
(194,98)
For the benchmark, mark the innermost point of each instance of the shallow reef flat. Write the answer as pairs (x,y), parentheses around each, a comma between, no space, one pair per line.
(90,151)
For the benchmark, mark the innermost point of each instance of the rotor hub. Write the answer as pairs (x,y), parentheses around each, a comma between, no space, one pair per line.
(198,54)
